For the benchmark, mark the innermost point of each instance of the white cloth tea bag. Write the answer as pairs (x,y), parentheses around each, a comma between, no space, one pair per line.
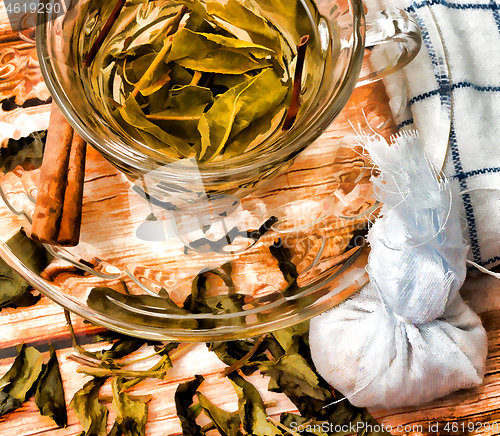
(407,337)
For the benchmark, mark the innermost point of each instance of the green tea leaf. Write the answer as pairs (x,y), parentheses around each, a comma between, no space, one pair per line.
(23,373)
(183,401)
(234,110)
(291,338)
(25,300)
(32,254)
(180,76)
(92,415)
(290,274)
(22,151)
(242,141)
(299,382)
(157,371)
(227,423)
(131,416)
(137,68)
(138,309)
(121,348)
(8,403)
(49,396)
(19,379)
(185,107)
(240,16)
(230,80)
(134,116)
(232,351)
(228,302)
(253,413)
(216,53)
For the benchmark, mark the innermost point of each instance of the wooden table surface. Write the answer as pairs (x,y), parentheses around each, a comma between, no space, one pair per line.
(45,323)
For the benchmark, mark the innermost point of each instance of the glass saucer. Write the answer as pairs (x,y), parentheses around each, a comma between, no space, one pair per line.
(282,255)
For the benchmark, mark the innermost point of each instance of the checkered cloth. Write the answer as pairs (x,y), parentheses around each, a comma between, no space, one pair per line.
(459,63)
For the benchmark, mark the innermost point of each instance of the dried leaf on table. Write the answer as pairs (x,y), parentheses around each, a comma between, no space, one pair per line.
(232,351)
(25,300)
(292,375)
(23,374)
(290,274)
(23,151)
(253,413)
(131,416)
(292,339)
(8,403)
(31,254)
(227,423)
(49,396)
(124,307)
(183,401)
(93,416)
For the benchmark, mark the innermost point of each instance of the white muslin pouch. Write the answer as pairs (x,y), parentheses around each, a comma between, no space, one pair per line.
(407,337)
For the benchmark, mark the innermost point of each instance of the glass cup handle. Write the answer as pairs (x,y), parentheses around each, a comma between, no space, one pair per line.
(394,34)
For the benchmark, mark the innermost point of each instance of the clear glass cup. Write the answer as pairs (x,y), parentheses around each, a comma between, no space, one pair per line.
(332,67)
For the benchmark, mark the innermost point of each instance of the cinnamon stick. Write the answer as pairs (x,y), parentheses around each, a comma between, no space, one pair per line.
(57,216)
(293,110)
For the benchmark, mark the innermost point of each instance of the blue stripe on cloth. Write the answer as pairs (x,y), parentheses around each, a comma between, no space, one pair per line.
(459,85)
(423,96)
(492,6)
(480,88)
(466,199)
(496,14)
(405,123)
(487,262)
(463,176)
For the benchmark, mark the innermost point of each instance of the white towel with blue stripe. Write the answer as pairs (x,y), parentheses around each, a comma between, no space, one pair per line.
(459,62)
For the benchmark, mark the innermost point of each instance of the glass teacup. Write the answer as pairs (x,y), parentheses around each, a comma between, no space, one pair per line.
(333,61)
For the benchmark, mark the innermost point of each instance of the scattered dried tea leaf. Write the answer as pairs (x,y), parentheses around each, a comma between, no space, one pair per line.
(93,416)
(8,403)
(294,377)
(138,309)
(49,396)
(23,151)
(23,373)
(33,255)
(227,423)
(253,413)
(183,401)
(292,338)
(131,416)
